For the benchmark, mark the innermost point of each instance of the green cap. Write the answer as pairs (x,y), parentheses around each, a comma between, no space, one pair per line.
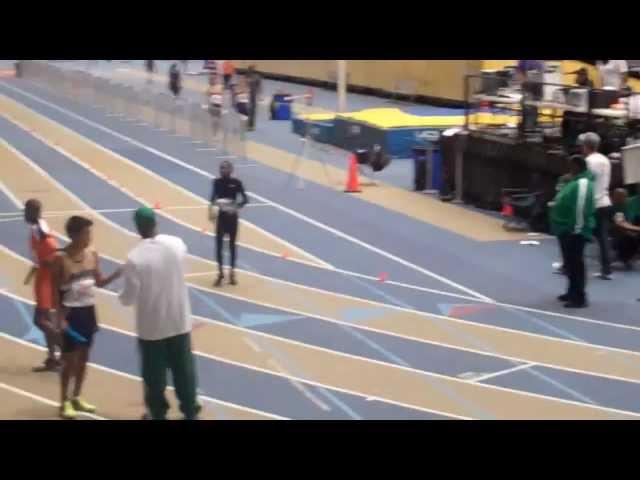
(145,218)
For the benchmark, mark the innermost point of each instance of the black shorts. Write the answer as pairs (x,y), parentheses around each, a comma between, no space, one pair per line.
(83,322)
(243,108)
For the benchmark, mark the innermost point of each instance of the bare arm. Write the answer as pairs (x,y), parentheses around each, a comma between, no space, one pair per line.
(102,281)
(243,194)
(57,275)
(620,221)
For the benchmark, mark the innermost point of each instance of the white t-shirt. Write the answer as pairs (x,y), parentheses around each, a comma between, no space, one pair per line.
(600,166)
(154,282)
(611,73)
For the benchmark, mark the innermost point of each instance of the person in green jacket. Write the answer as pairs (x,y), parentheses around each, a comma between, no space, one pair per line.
(558,267)
(626,230)
(573,221)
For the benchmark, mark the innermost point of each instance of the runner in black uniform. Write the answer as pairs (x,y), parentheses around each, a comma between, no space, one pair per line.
(224,195)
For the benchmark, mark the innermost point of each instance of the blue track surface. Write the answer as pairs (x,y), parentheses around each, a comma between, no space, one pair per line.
(422,244)
(227,382)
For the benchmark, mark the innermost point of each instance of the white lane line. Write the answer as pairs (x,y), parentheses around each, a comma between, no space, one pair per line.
(259,369)
(208,149)
(301,388)
(56,213)
(281,207)
(225,360)
(10,194)
(252,344)
(141,201)
(502,372)
(516,331)
(157,177)
(44,400)
(386,332)
(134,377)
(427,315)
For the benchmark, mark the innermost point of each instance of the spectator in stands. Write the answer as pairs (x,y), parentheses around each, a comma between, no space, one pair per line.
(572,221)
(600,167)
(255,86)
(613,73)
(211,66)
(214,96)
(241,97)
(228,70)
(150,67)
(582,78)
(175,80)
(525,68)
(530,72)
(626,230)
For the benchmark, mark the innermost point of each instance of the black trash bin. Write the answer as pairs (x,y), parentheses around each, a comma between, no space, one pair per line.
(362,155)
(419,168)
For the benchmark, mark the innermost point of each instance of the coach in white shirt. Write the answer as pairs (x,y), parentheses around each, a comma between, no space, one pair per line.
(613,73)
(600,167)
(154,283)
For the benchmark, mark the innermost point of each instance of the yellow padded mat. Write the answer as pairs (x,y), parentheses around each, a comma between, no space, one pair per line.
(394,118)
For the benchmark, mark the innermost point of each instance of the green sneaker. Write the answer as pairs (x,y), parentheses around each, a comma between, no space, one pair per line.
(67,411)
(81,406)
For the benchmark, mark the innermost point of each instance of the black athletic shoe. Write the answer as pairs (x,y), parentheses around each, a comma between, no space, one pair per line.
(218,282)
(49,365)
(563,298)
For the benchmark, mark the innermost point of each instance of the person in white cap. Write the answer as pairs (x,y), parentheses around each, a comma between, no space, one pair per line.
(600,167)
(613,73)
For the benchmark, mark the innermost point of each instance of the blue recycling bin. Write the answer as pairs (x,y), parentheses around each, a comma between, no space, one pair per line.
(281,107)
(427,175)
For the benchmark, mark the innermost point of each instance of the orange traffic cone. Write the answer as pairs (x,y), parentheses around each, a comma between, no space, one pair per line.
(507,210)
(157,206)
(353,181)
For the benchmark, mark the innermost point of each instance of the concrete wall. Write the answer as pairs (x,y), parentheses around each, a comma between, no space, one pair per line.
(434,78)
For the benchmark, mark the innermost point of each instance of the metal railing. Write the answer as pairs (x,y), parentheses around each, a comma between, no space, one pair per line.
(226,134)
(494,104)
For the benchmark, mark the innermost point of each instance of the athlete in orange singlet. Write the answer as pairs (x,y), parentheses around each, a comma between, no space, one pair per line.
(44,249)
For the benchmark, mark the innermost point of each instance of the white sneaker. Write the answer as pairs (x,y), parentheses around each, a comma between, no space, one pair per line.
(603,276)
(558,267)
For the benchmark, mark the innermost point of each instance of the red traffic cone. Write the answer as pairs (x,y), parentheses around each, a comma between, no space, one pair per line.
(157,206)
(353,180)
(383,277)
